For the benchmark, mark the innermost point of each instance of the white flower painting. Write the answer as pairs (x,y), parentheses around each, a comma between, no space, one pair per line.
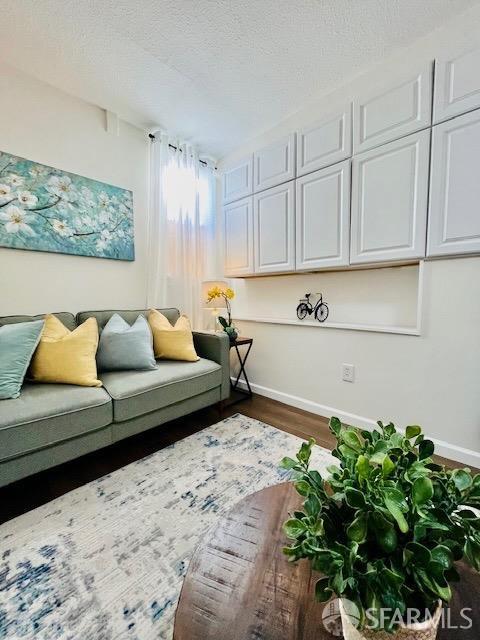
(45,209)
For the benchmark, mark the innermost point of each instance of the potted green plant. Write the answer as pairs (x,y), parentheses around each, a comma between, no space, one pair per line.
(385,529)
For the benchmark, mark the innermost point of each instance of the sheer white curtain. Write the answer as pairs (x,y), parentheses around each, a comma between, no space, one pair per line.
(181,227)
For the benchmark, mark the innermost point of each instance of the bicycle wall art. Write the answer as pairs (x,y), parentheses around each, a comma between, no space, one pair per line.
(307,308)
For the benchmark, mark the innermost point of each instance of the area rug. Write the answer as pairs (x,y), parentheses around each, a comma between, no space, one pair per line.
(107,561)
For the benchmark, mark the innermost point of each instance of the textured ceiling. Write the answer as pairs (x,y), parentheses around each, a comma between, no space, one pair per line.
(215,72)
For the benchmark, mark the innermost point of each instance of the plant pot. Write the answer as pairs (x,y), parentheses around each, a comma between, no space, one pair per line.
(426,630)
(231,333)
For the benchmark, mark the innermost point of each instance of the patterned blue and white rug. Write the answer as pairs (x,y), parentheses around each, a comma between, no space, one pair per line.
(107,561)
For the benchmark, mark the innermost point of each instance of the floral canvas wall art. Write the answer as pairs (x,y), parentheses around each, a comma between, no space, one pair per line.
(45,209)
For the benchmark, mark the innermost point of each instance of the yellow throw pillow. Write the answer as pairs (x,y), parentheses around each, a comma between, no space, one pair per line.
(67,356)
(172,343)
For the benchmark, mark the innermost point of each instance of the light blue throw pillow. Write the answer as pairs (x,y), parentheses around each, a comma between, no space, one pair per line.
(17,344)
(122,346)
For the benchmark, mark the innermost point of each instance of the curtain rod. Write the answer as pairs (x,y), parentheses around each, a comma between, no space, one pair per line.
(172,146)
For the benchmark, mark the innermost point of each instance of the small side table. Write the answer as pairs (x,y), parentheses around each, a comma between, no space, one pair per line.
(242,360)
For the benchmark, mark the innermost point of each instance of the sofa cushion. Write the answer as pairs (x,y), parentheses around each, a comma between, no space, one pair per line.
(68,319)
(103,317)
(45,414)
(135,393)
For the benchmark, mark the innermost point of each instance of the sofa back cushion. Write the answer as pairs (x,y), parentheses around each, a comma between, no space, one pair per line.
(102,317)
(67,319)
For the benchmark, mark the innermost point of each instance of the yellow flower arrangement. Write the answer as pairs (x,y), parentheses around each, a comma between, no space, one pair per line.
(227,294)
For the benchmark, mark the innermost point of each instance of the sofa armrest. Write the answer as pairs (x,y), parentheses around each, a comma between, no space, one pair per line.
(216,347)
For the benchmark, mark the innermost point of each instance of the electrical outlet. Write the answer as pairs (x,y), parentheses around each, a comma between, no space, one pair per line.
(348,372)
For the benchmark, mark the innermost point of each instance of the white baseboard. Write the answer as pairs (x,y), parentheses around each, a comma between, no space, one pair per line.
(442,448)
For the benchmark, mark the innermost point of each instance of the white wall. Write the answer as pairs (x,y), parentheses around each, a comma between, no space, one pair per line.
(432,380)
(48,126)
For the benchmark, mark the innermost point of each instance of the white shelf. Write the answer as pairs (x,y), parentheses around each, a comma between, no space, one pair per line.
(408,331)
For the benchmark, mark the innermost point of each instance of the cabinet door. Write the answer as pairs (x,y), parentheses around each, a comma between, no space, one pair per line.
(274,229)
(394,111)
(274,164)
(454,216)
(457,84)
(323,217)
(389,201)
(238,237)
(237,182)
(326,142)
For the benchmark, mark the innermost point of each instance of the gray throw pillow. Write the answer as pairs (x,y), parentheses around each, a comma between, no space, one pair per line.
(122,346)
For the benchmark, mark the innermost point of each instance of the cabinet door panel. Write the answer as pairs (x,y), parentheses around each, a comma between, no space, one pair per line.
(274,164)
(274,229)
(457,84)
(454,223)
(393,112)
(389,201)
(238,237)
(326,142)
(237,182)
(323,217)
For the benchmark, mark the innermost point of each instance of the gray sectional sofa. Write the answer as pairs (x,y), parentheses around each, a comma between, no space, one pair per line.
(52,423)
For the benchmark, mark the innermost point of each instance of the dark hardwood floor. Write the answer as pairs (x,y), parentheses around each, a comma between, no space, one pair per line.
(32,492)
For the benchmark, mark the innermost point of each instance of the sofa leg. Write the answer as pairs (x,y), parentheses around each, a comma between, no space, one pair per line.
(221,407)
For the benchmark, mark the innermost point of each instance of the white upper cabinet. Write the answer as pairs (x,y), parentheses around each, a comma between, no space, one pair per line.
(454,216)
(237,182)
(238,237)
(323,217)
(389,201)
(393,112)
(274,229)
(274,164)
(457,84)
(325,142)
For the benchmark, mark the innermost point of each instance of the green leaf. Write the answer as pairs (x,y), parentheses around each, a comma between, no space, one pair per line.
(347,452)
(388,466)
(357,530)
(327,562)
(223,321)
(396,504)
(363,467)
(425,449)
(416,553)
(312,505)
(422,490)
(288,463)
(335,426)
(384,532)
(302,487)
(293,528)
(378,457)
(293,553)
(305,451)
(412,431)
(354,498)
(323,593)
(443,555)
(472,552)
(462,479)
(351,438)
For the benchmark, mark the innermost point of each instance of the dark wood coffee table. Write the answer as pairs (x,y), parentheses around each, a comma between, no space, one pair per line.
(240,586)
